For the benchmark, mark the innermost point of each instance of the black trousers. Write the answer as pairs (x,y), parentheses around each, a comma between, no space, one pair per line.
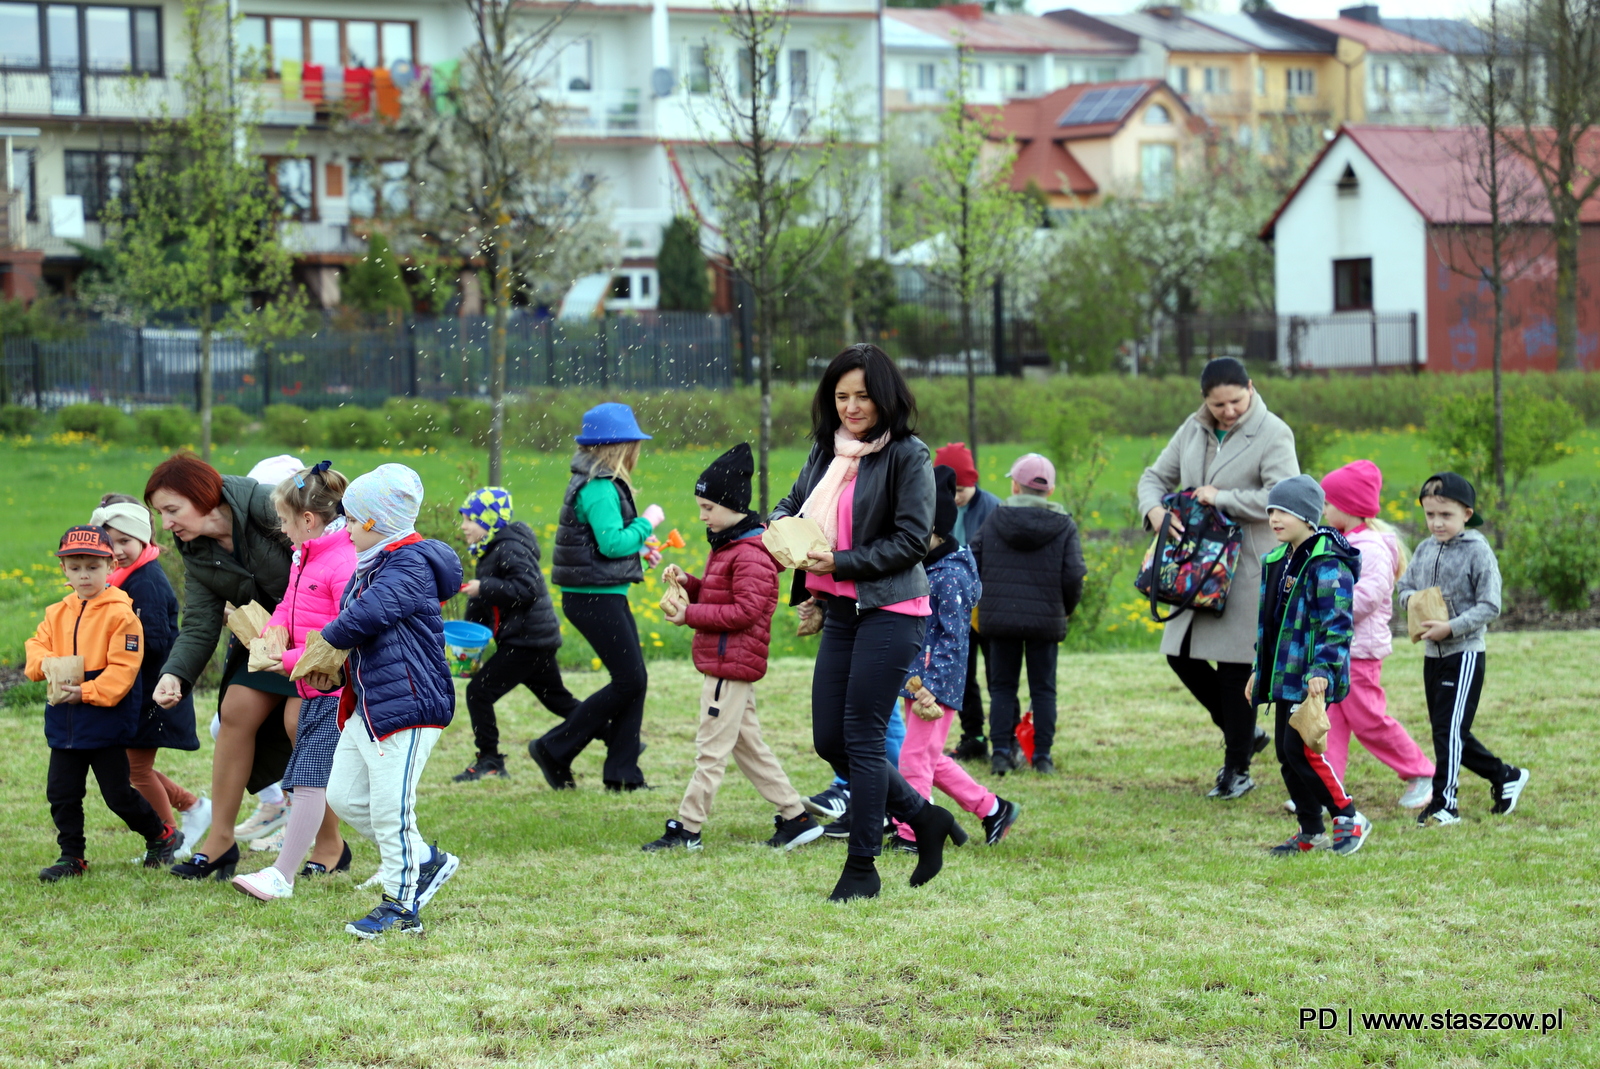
(1453,685)
(615,711)
(863,658)
(512,667)
(1006,659)
(1311,781)
(68,782)
(1221,691)
(972,698)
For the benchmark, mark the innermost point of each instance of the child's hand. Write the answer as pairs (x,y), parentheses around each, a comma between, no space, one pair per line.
(675,574)
(321,681)
(276,665)
(1250,690)
(470,589)
(679,616)
(73,692)
(1317,687)
(652,556)
(168,692)
(655,515)
(1436,630)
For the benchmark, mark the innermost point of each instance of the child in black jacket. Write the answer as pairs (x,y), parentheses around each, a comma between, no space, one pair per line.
(508,596)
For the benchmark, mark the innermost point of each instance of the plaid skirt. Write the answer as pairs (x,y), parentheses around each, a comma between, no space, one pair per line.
(314,742)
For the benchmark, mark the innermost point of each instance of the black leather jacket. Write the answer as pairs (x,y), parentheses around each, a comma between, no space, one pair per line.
(892,519)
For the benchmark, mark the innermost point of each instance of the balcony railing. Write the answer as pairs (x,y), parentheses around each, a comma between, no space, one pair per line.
(306,101)
(606,113)
(73,92)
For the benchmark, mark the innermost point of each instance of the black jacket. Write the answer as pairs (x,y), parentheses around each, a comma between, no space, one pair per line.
(577,560)
(1032,570)
(513,600)
(892,519)
(157,606)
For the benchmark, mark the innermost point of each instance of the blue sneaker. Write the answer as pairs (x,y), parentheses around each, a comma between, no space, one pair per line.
(390,916)
(439,867)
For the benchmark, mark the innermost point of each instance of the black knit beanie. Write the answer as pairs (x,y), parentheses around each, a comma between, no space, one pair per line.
(727,480)
(944,501)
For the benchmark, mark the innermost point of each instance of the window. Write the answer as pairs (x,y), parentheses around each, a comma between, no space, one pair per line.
(19,35)
(927,77)
(1158,165)
(1179,77)
(1348,184)
(379,190)
(103,39)
(61,24)
(1216,79)
(1261,81)
(1352,285)
(1019,78)
(799,74)
(291,177)
(1301,81)
(24,181)
(974,75)
(699,69)
(266,42)
(1156,115)
(575,66)
(1103,74)
(748,70)
(98,177)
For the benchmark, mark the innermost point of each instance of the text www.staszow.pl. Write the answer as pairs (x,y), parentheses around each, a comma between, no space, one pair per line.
(1329,1018)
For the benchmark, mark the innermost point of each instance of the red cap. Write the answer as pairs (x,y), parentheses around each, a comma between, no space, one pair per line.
(85,542)
(1354,489)
(957,457)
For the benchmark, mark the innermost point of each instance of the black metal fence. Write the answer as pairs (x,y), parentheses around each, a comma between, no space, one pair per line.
(1344,341)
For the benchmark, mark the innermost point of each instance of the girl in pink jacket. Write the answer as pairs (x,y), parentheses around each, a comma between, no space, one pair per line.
(310,513)
(1352,507)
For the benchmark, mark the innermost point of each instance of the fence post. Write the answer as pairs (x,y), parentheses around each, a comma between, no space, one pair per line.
(1416,362)
(1374,315)
(266,377)
(550,351)
(999,325)
(38,375)
(605,356)
(746,329)
(411,357)
(138,358)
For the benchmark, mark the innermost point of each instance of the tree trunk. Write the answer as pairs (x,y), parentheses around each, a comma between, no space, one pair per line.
(1566,240)
(207,387)
(972,376)
(764,348)
(497,351)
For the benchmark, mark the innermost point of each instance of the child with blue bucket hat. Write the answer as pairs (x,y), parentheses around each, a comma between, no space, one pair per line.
(600,539)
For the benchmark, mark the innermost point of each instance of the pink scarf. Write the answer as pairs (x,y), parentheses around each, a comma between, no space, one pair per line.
(823,504)
(120,575)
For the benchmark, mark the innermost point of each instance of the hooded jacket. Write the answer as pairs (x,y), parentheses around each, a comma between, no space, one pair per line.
(1307,627)
(730,609)
(1374,597)
(1032,569)
(315,592)
(156,605)
(396,677)
(106,633)
(1467,574)
(942,664)
(513,600)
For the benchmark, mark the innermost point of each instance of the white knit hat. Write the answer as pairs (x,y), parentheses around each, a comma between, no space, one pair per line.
(125,516)
(274,470)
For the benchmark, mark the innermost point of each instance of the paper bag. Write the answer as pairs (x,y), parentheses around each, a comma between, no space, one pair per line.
(791,538)
(246,623)
(922,700)
(319,657)
(1425,605)
(59,671)
(812,624)
(675,598)
(267,648)
(1310,719)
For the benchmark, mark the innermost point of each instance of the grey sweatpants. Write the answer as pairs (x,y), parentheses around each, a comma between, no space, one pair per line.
(373,788)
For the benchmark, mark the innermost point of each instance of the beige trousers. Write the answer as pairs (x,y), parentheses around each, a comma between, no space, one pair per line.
(728,725)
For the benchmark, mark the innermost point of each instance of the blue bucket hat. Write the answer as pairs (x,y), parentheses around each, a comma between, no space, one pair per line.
(609,424)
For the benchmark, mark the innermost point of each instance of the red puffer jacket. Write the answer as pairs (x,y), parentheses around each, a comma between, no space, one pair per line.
(731,610)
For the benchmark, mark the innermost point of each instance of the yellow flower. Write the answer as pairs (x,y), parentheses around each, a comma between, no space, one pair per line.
(594,663)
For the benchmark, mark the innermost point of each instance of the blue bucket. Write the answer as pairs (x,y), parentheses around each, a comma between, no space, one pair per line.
(464,644)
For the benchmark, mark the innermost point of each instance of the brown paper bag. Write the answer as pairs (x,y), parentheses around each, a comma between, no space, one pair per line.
(675,598)
(922,707)
(59,671)
(789,540)
(1423,606)
(268,647)
(811,625)
(246,623)
(319,657)
(1310,719)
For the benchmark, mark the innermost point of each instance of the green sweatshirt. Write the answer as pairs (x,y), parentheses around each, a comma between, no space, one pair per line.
(600,506)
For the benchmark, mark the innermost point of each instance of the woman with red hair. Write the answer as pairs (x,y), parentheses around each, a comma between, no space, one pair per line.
(232,551)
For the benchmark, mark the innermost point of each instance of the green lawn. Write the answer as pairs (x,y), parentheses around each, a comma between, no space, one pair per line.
(1126,922)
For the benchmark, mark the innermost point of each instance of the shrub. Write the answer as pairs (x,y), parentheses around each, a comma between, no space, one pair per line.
(350,427)
(416,424)
(1553,545)
(168,427)
(104,422)
(24,695)
(228,423)
(18,419)
(469,420)
(1536,431)
(293,426)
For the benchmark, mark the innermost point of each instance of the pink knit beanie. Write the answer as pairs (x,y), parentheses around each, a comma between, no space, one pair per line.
(1354,488)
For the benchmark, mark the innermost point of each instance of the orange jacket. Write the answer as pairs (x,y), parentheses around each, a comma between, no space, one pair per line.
(107,634)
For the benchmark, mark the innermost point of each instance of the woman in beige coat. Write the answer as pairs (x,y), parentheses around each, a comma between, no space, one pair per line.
(1230,453)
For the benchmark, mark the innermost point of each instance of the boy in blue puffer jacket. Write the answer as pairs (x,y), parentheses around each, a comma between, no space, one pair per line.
(398,696)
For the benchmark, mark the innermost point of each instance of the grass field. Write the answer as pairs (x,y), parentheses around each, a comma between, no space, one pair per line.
(1127,921)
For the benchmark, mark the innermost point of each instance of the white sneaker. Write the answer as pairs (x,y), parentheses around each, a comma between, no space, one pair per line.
(1288,805)
(1419,792)
(196,822)
(375,880)
(265,885)
(273,842)
(264,821)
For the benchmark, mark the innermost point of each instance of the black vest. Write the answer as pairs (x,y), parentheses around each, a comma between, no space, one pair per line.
(577,560)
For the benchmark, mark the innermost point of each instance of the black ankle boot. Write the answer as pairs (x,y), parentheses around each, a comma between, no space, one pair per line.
(858,880)
(933,826)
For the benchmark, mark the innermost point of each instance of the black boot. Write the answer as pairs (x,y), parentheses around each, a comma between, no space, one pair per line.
(858,880)
(933,826)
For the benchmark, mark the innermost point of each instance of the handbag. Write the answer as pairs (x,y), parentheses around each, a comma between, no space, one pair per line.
(1195,570)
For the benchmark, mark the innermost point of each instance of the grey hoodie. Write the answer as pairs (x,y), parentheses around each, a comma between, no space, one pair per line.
(1465,571)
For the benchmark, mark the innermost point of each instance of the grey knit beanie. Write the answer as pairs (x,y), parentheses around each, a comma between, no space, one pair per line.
(1300,496)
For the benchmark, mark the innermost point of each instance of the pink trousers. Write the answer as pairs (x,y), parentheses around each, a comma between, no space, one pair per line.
(924,765)
(1364,712)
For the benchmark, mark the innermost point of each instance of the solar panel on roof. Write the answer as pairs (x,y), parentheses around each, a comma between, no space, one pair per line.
(1101,105)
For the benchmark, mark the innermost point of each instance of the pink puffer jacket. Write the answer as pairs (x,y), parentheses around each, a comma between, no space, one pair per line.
(316,586)
(1374,601)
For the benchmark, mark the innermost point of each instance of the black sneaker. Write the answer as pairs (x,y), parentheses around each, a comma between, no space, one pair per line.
(996,826)
(63,869)
(832,803)
(1004,761)
(158,852)
(1436,815)
(484,766)
(839,829)
(796,831)
(559,777)
(1043,766)
(1262,741)
(619,788)
(1506,794)
(971,748)
(1231,785)
(676,837)
(902,844)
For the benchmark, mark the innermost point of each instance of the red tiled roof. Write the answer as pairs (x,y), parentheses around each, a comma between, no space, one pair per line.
(1375,38)
(970,26)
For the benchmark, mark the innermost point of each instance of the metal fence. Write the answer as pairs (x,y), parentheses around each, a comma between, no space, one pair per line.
(1345,341)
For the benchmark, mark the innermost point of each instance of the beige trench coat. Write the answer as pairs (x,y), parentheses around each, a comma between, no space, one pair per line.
(1251,458)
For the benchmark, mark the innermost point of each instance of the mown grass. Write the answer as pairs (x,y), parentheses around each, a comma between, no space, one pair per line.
(1126,922)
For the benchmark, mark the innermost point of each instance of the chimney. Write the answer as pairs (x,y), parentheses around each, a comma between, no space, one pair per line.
(965,12)
(1367,13)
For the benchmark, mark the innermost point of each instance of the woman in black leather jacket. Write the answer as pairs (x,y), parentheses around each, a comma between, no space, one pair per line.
(869,484)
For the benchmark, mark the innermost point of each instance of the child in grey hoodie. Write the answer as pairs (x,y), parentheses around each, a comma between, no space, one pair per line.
(1461,563)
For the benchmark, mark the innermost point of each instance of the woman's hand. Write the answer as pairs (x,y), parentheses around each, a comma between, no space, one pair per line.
(1250,690)
(1157,514)
(1436,630)
(1317,687)
(470,589)
(168,692)
(821,562)
(807,609)
(1206,495)
(674,574)
(654,514)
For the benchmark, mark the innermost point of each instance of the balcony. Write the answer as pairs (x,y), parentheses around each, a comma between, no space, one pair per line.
(316,101)
(1230,105)
(606,113)
(79,94)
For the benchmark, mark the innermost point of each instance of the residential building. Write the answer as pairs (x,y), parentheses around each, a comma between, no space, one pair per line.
(1403,79)
(1382,246)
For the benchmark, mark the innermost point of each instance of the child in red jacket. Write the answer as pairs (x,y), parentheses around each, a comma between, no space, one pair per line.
(731,610)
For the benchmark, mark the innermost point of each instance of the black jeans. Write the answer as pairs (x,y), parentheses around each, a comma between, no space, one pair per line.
(1221,691)
(68,782)
(1006,659)
(1311,780)
(863,658)
(1453,685)
(509,668)
(615,711)
(972,697)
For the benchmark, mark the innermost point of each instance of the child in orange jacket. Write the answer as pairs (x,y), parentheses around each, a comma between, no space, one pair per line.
(92,727)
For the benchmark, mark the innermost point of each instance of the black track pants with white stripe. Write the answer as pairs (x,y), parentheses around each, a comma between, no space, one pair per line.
(1453,684)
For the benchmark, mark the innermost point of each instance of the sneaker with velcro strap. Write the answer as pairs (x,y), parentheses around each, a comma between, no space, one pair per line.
(1301,843)
(388,917)
(433,873)
(1351,833)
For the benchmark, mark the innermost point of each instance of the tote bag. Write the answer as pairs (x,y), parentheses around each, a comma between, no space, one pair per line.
(1195,570)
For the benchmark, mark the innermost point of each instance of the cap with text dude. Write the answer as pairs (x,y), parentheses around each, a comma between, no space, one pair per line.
(85,542)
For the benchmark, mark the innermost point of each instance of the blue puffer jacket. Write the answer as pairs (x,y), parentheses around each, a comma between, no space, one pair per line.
(942,664)
(397,677)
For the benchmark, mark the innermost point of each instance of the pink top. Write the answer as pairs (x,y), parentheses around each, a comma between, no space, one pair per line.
(846,588)
(1374,594)
(316,588)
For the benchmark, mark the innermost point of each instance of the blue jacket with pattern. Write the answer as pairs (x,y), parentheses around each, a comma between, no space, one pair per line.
(1307,618)
(942,664)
